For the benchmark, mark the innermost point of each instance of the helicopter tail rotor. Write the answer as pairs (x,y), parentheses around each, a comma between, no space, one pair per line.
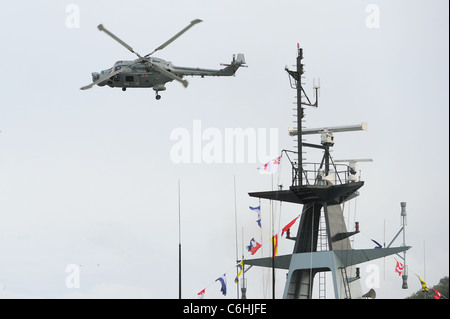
(239,61)
(235,64)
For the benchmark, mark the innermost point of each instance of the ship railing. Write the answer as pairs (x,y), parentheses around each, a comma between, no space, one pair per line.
(315,174)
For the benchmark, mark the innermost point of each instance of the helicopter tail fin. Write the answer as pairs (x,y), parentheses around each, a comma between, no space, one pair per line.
(238,61)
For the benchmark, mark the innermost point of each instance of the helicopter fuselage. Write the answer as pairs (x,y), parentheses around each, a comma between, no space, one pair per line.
(150,72)
(141,75)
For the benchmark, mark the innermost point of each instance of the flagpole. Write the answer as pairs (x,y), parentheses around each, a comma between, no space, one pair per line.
(179,241)
(384,246)
(273,245)
(244,284)
(236,232)
(263,273)
(405,270)
(424,270)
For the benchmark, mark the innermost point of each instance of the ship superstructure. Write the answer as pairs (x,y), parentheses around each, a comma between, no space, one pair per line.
(321,188)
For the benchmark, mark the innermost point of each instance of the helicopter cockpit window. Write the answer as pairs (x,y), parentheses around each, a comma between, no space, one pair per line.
(117,68)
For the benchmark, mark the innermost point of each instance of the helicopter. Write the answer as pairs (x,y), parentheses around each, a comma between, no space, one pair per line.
(151,72)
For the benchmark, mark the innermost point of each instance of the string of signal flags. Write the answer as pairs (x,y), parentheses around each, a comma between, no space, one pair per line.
(252,248)
(272,167)
(399,268)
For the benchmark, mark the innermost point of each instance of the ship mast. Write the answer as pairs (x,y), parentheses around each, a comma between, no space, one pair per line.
(321,190)
(297,84)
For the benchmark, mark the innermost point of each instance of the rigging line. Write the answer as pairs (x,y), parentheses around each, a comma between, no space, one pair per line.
(179,240)
(263,273)
(348,218)
(311,250)
(351,239)
(236,231)
(276,233)
(279,218)
(354,221)
(354,211)
(384,245)
(279,169)
(367,236)
(273,243)
(348,212)
(225,273)
(179,213)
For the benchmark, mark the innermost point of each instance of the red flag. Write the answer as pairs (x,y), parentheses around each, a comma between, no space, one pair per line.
(201,294)
(438,294)
(254,246)
(254,249)
(399,267)
(288,226)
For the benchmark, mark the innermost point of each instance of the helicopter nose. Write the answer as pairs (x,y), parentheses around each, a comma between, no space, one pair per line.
(95,76)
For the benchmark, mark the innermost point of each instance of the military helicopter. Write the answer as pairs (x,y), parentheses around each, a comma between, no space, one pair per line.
(151,72)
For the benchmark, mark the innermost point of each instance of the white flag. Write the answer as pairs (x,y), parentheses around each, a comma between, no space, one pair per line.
(271,166)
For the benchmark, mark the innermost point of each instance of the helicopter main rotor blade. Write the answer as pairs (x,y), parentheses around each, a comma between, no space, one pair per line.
(102,28)
(170,75)
(107,77)
(162,46)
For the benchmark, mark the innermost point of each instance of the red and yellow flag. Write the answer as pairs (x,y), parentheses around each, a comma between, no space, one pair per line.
(274,241)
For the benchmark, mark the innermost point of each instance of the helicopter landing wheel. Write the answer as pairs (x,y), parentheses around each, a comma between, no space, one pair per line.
(158,96)
(124,89)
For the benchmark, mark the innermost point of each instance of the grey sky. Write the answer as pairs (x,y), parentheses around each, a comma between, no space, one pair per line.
(86,177)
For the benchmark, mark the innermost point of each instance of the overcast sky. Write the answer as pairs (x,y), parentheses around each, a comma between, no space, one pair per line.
(87,177)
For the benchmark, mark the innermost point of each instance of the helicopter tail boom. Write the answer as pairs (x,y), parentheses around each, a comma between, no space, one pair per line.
(229,70)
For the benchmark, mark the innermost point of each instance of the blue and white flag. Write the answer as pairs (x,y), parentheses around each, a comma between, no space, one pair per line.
(378,244)
(223,281)
(258,211)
